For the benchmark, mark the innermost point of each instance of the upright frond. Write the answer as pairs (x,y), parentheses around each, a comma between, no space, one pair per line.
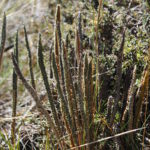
(15,92)
(30,58)
(3,39)
(46,83)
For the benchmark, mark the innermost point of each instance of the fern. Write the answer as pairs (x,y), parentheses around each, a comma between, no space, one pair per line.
(3,39)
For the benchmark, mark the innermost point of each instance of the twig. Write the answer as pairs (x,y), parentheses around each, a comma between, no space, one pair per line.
(108,138)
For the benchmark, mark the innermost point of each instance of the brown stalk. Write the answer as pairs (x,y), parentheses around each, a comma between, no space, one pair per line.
(130,100)
(140,96)
(86,98)
(59,48)
(146,107)
(71,91)
(146,99)
(77,46)
(64,105)
(57,52)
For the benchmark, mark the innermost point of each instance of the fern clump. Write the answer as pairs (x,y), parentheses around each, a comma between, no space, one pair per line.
(76,80)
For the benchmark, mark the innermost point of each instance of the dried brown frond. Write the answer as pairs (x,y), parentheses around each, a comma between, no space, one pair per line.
(140,97)
(57,55)
(77,46)
(58,14)
(130,101)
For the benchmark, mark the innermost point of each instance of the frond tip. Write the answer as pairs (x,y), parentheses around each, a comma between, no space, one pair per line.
(3,39)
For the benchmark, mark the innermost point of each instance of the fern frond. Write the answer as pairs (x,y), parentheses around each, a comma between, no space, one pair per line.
(140,96)
(119,75)
(46,83)
(15,92)
(3,39)
(35,97)
(30,58)
(130,101)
